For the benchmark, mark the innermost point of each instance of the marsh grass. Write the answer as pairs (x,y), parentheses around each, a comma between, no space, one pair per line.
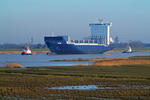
(92,59)
(140,57)
(7,50)
(113,61)
(18,51)
(122,61)
(33,83)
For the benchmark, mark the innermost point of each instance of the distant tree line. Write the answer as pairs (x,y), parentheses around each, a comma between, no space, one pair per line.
(133,44)
(22,46)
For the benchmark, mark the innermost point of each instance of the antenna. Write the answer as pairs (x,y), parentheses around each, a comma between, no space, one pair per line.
(31,40)
(110,23)
(101,21)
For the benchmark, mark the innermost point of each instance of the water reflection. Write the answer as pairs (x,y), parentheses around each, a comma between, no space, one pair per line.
(95,87)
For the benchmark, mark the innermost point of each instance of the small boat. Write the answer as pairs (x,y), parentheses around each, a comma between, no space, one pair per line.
(27,51)
(128,49)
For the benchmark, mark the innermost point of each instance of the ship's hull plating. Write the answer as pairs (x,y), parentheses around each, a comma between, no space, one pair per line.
(77,49)
(59,46)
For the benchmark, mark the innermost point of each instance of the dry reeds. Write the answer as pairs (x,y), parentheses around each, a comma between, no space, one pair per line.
(14,65)
(121,61)
(10,52)
(91,59)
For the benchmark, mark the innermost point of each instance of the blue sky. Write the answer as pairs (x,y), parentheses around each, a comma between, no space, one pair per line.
(22,19)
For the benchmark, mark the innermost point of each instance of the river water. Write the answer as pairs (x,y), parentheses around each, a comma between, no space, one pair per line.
(96,87)
(46,60)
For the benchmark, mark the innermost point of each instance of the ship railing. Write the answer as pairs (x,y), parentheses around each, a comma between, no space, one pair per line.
(85,42)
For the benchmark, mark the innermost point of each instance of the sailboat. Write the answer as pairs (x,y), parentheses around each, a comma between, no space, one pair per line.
(128,49)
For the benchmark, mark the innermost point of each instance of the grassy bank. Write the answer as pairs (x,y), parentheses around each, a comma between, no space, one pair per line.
(5,50)
(18,51)
(134,49)
(32,82)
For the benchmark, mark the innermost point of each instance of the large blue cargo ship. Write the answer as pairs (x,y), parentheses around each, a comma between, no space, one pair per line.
(98,42)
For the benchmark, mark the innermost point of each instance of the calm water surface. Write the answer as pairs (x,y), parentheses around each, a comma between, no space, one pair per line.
(95,87)
(45,60)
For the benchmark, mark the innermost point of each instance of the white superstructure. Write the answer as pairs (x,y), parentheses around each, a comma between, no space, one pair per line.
(100,35)
(101,32)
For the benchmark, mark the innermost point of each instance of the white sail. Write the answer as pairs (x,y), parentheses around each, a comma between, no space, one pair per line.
(111,40)
(128,49)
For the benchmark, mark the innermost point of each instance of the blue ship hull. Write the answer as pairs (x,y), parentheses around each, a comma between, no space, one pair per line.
(58,45)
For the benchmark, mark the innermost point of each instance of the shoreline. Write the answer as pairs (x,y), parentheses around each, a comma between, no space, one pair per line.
(134,60)
(19,52)
(122,51)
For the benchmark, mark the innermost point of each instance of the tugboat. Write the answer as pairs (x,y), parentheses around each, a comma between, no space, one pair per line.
(128,50)
(27,51)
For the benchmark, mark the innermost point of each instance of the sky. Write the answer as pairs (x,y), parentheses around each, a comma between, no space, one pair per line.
(20,20)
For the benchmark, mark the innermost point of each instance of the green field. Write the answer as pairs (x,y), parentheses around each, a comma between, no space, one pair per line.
(32,82)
